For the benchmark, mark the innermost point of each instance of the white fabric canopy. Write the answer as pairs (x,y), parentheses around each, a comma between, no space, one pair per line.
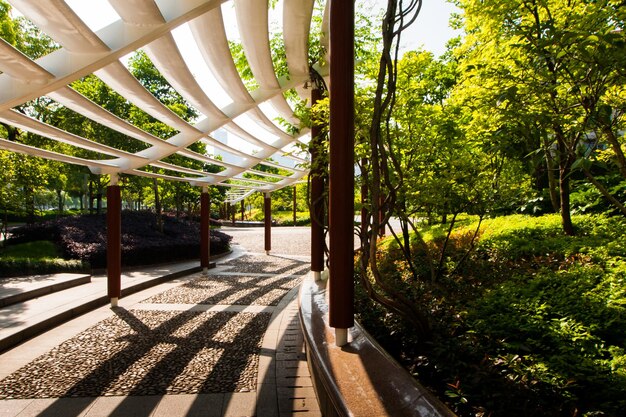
(148,25)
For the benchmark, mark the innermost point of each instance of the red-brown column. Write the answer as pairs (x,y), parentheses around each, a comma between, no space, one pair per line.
(267,205)
(114,241)
(205,230)
(243,210)
(341,213)
(295,205)
(317,193)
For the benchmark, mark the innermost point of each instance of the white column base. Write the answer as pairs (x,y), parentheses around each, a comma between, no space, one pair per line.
(317,275)
(341,337)
(267,252)
(114,301)
(205,271)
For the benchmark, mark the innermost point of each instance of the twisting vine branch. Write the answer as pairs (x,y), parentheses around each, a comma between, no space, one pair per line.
(383,173)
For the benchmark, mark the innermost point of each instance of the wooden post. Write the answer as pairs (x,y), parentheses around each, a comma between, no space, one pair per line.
(267,205)
(114,241)
(205,230)
(243,210)
(317,194)
(295,206)
(341,215)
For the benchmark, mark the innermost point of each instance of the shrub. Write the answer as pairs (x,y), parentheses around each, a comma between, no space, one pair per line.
(33,258)
(84,238)
(535,323)
(10,267)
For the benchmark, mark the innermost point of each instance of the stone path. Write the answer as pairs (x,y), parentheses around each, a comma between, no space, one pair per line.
(226,344)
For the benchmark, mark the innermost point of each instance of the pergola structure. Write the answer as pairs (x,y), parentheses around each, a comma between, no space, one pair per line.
(148,25)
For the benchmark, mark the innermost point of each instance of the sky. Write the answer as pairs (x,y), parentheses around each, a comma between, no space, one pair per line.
(431,30)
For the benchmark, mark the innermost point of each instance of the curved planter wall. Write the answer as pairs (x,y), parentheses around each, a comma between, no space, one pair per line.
(359,379)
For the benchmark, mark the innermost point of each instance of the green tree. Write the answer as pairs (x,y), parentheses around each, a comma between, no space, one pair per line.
(547,63)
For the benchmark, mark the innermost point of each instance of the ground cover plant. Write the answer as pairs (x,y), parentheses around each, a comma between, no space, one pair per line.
(84,238)
(282,218)
(532,323)
(37,257)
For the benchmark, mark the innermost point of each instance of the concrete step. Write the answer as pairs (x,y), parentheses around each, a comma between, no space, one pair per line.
(23,320)
(20,289)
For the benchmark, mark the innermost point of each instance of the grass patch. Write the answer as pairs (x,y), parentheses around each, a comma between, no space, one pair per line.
(33,258)
(40,249)
(533,324)
(283,218)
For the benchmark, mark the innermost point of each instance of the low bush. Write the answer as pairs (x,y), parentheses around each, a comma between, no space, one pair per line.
(283,218)
(11,267)
(84,238)
(33,258)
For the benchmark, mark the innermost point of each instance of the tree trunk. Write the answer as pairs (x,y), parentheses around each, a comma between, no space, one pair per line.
(552,184)
(617,149)
(30,206)
(604,191)
(99,202)
(157,205)
(179,202)
(91,197)
(60,201)
(5,225)
(564,194)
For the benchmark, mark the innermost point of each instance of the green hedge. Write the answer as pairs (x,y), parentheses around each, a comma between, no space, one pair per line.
(10,267)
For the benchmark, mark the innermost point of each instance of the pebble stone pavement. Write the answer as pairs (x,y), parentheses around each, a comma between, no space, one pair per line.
(203,336)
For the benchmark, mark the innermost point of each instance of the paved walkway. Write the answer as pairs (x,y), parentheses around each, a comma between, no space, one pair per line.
(226,344)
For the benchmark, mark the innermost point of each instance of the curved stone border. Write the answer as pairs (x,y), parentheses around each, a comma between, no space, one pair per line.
(359,379)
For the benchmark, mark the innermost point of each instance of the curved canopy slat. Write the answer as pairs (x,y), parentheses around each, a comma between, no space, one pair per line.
(297,16)
(252,19)
(117,77)
(53,156)
(17,119)
(212,42)
(167,59)
(20,67)
(58,20)
(147,24)
(185,170)
(75,101)
(138,12)
(209,30)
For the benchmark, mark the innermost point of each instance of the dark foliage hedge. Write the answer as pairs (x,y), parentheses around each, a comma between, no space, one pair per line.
(84,237)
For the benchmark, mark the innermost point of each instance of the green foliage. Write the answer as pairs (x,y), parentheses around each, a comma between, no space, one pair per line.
(38,257)
(540,76)
(534,317)
(11,267)
(35,250)
(284,218)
